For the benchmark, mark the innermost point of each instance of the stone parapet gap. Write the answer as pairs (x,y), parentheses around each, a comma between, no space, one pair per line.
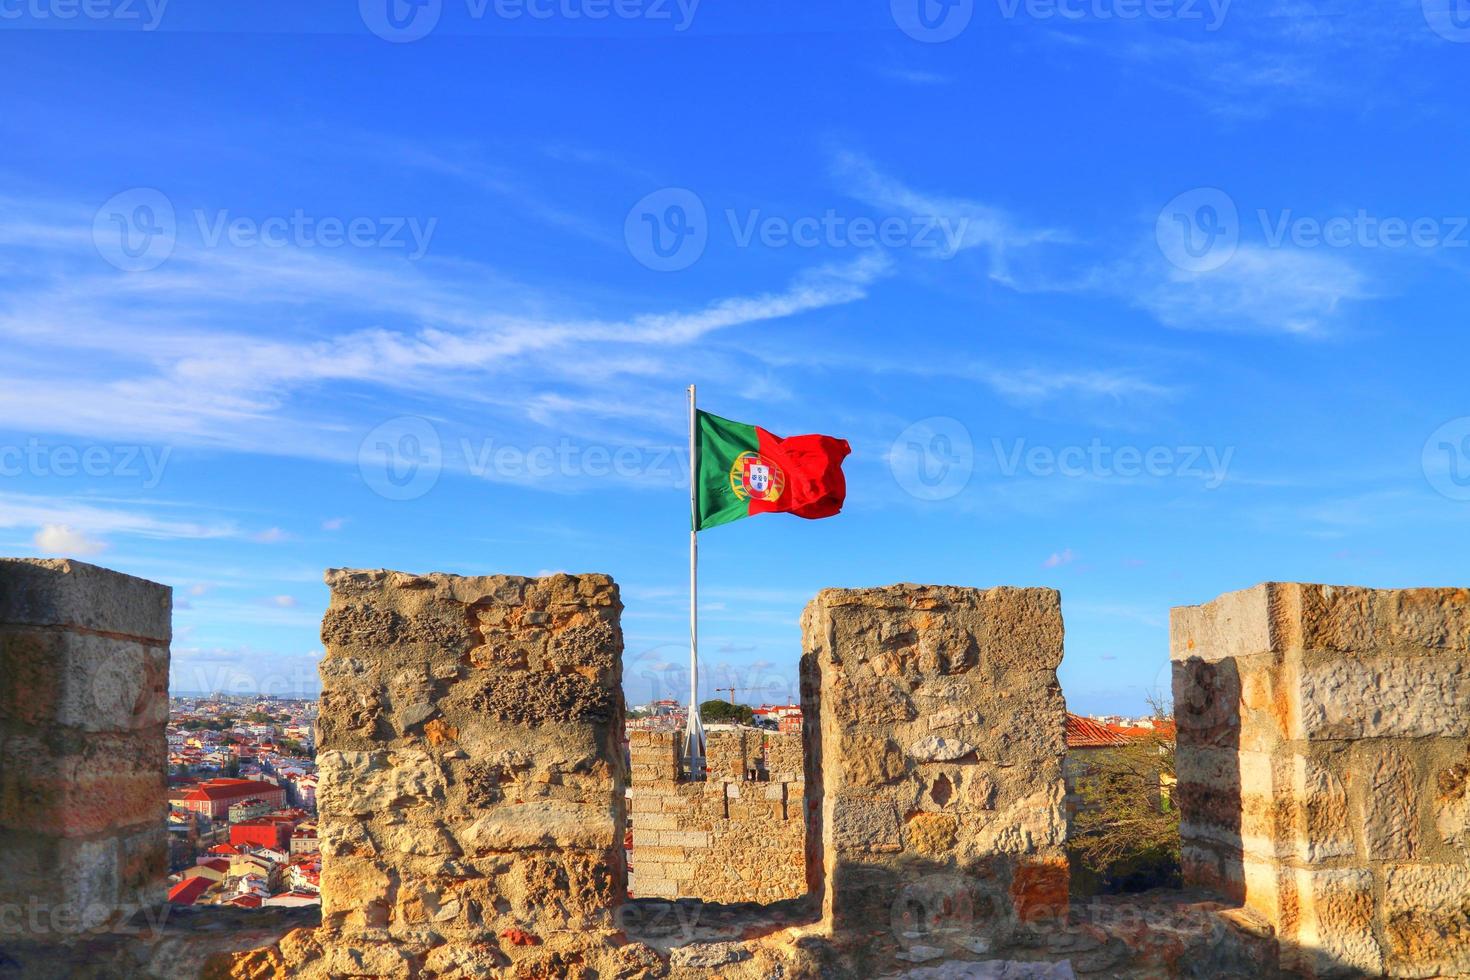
(1323,770)
(739,835)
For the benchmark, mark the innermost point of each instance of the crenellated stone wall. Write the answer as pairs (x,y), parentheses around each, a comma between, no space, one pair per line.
(737,836)
(84,655)
(935,727)
(1324,770)
(472,804)
(470,751)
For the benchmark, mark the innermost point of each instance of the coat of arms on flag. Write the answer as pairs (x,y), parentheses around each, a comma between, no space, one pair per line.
(753,475)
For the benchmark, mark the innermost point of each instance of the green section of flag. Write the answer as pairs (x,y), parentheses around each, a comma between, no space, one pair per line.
(717,443)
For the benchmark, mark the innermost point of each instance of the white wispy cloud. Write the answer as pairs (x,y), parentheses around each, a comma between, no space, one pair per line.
(1260,288)
(1272,289)
(1039,384)
(177,355)
(63,540)
(916,76)
(1242,61)
(977,225)
(1059,558)
(25,511)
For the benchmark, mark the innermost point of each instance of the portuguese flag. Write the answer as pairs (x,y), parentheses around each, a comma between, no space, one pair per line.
(744,470)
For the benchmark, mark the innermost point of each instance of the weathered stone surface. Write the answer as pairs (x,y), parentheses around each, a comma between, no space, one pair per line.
(1391,824)
(83,702)
(862,824)
(931,834)
(1326,830)
(469,799)
(708,956)
(1426,920)
(933,748)
(548,824)
(96,783)
(1335,932)
(521,698)
(64,592)
(1237,624)
(963,682)
(1385,697)
(368,783)
(1279,616)
(875,760)
(82,680)
(1452,805)
(1321,736)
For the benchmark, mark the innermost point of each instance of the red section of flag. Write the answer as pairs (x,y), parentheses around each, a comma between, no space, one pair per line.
(812,467)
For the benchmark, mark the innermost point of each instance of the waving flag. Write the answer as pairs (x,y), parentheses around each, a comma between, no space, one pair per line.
(745,470)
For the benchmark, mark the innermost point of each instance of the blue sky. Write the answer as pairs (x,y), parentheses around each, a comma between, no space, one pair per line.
(1142,302)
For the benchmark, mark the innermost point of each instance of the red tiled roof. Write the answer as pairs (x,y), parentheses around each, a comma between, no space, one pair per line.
(249,901)
(187,892)
(229,789)
(1084,733)
(1162,729)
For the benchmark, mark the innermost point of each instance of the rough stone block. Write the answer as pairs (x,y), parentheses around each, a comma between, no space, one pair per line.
(63,886)
(82,680)
(1279,616)
(936,721)
(471,762)
(1391,821)
(102,783)
(1325,830)
(1351,619)
(83,700)
(1426,920)
(1385,697)
(1334,936)
(1321,752)
(63,592)
(1237,624)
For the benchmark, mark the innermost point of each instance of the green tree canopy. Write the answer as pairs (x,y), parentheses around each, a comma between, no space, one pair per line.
(1127,827)
(724,711)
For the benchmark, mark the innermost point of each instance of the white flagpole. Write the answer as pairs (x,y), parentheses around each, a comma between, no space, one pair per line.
(694,729)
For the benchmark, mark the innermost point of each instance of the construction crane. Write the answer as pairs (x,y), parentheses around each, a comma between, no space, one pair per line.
(732,691)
